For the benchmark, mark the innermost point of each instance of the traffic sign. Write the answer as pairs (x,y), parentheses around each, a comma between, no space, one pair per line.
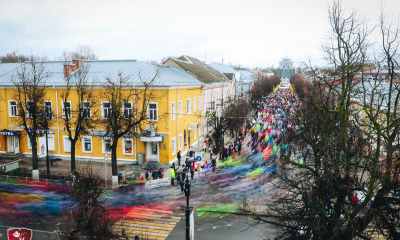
(105,157)
(198,156)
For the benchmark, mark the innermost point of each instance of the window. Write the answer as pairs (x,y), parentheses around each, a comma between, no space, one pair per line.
(67,144)
(194,104)
(12,108)
(87,144)
(173,146)
(188,106)
(48,109)
(194,134)
(105,110)
(87,111)
(106,144)
(184,135)
(29,109)
(127,146)
(180,142)
(127,110)
(152,111)
(173,111)
(180,108)
(66,107)
(50,142)
(199,130)
(200,104)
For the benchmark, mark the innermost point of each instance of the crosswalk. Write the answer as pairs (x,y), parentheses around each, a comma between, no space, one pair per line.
(374,235)
(153,223)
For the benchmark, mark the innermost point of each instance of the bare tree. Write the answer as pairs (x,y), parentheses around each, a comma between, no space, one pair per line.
(82,52)
(126,110)
(79,117)
(14,58)
(30,92)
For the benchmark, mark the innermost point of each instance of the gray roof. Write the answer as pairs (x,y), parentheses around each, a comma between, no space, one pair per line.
(135,71)
(200,70)
(6,67)
(240,75)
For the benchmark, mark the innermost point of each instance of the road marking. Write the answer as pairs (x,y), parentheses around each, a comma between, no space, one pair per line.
(148,223)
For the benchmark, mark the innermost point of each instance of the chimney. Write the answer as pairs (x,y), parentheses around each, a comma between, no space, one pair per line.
(68,69)
(78,62)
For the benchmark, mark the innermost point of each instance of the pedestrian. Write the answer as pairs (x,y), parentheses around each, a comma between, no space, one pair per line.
(179,157)
(178,179)
(173,165)
(213,165)
(148,174)
(154,174)
(172,172)
(210,150)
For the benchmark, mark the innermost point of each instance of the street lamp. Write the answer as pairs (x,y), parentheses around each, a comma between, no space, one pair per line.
(185,187)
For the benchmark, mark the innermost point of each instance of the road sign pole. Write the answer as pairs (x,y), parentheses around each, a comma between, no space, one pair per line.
(106,173)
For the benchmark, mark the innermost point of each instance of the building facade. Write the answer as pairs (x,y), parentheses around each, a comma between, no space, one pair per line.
(286,68)
(171,112)
(217,89)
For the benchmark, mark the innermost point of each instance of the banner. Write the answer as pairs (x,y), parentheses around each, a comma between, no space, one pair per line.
(19,234)
(42,147)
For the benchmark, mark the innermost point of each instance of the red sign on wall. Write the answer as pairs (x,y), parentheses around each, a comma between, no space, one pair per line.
(19,234)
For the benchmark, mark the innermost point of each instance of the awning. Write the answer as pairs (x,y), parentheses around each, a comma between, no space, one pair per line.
(151,139)
(10,133)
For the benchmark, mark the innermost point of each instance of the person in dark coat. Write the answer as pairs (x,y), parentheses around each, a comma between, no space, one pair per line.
(179,157)
(148,174)
(154,174)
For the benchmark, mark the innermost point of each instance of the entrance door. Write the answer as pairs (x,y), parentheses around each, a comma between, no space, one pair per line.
(152,152)
(16,144)
(10,144)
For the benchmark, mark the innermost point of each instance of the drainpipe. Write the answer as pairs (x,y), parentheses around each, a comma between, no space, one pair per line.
(177,127)
(58,124)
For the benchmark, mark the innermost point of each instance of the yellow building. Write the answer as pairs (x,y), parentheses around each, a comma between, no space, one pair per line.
(173,115)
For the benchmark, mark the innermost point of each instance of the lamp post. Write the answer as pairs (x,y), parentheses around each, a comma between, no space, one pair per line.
(185,187)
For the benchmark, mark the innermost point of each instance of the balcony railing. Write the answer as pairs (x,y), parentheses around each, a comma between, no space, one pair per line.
(211,106)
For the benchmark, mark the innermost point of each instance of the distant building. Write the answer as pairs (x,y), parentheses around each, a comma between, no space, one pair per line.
(286,69)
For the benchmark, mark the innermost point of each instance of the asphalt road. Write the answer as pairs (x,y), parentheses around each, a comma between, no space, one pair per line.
(232,227)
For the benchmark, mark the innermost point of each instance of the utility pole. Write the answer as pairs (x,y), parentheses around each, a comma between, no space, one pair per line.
(185,187)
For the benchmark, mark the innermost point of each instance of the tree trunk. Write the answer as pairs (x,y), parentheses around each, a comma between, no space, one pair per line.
(35,165)
(114,162)
(73,156)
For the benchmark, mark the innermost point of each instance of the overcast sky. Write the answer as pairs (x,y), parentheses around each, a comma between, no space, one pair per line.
(251,33)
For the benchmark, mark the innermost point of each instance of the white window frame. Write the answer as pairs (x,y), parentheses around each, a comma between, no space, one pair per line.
(148,112)
(83,144)
(62,109)
(188,106)
(90,109)
(66,138)
(180,142)
(123,109)
(194,104)
(180,108)
(102,110)
(103,144)
(173,145)
(27,110)
(51,106)
(10,108)
(123,146)
(50,142)
(200,104)
(194,134)
(173,111)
